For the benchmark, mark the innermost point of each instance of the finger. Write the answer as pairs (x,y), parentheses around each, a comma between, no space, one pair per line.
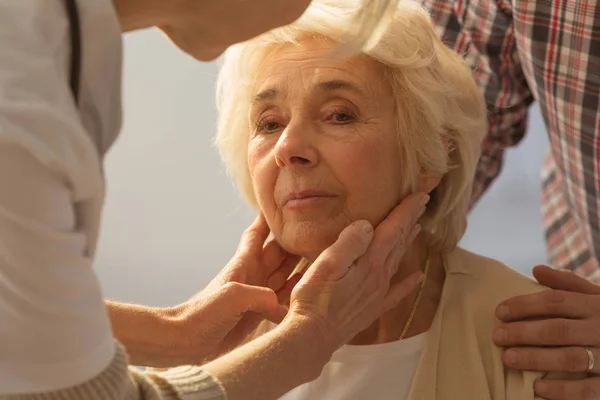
(254,237)
(547,332)
(395,256)
(564,280)
(400,290)
(395,228)
(351,244)
(281,275)
(271,257)
(583,389)
(561,359)
(242,298)
(283,294)
(549,303)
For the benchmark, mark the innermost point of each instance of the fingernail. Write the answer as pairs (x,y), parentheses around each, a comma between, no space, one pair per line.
(365,226)
(502,312)
(541,387)
(512,357)
(500,335)
(425,199)
(422,211)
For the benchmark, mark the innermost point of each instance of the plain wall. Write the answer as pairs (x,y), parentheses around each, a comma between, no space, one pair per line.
(172,218)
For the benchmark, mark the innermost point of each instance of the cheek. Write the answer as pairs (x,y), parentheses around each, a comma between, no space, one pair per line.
(263,172)
(373,180)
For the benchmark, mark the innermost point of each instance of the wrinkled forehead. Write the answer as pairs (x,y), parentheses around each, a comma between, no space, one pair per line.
(313,65)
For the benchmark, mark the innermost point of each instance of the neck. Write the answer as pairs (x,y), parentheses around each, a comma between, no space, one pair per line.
(389,326)
(141,14)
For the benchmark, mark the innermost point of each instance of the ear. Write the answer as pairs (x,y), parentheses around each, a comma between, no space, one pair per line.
(428,182)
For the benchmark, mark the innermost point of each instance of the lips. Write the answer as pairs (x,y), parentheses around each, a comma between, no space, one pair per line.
(305,195)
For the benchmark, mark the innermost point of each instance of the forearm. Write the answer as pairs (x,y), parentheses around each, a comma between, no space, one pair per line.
(273,364)
(146,332)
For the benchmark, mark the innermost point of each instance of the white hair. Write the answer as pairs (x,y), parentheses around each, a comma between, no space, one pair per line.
(440,110)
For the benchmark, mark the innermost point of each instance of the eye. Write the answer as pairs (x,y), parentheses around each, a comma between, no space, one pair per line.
(267,125)
(341,116)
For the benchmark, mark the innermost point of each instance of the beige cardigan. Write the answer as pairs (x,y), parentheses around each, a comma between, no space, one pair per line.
(459,360)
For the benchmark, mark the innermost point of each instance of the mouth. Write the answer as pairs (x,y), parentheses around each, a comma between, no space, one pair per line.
(306,198)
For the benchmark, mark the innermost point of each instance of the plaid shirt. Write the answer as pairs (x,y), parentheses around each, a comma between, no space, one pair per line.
(547,51)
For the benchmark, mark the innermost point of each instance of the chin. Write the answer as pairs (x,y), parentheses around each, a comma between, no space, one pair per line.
(308,239)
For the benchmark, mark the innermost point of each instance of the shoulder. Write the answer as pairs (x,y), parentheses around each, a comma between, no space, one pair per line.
(489,280)
(477,286)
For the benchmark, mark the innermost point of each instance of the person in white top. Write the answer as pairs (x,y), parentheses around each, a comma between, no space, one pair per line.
(54,131)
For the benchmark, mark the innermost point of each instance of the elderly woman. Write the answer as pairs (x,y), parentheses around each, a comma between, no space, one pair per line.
(316,139)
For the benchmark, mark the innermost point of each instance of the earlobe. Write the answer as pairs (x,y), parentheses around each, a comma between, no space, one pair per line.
(428,182)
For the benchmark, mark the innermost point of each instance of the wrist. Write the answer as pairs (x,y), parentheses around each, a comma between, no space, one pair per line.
(303,334)
(147,333)
(291,354)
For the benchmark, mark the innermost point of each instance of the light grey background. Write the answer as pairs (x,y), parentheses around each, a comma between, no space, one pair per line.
(172,218)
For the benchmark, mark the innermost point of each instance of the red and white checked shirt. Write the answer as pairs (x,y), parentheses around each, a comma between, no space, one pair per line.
(547,51)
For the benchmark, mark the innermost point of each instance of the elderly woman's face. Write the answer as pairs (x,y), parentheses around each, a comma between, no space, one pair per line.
(323,150)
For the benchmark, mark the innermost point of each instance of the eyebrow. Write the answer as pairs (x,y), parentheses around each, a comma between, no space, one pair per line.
(266,95)
(325,86)
(330,86)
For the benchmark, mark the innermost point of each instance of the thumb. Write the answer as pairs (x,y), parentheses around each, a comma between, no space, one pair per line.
(242,298)
(351,244)
(564,280)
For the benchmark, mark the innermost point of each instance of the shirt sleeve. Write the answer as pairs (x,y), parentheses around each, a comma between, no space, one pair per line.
(120,382)
(54,328)
(482,31)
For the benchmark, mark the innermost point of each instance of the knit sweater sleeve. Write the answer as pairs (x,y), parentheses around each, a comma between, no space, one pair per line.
(121,382)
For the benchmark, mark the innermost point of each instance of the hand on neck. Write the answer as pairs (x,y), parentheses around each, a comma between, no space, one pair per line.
(388,327)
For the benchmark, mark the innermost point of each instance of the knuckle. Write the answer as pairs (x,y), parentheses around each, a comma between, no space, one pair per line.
(528,359)
(233,288)
(589,392)
(557,388)
(249,235)
(514,333)
(248,232)
(329,261)
(572,361)
(358,241)
(554,299)
(560,332)
(395,240)
(401,235)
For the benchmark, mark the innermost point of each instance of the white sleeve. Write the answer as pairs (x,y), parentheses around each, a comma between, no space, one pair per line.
(54,329)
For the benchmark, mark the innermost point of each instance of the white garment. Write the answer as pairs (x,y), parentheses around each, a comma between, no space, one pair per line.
(54,328)
(374,372)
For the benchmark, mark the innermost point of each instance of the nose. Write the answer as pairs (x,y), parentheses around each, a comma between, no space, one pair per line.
(296,147)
